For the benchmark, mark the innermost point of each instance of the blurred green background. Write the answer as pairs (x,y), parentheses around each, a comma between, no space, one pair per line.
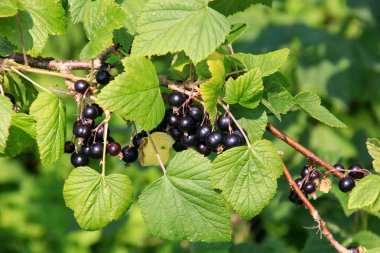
(335,51)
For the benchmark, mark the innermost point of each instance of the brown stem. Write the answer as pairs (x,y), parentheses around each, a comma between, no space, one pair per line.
(314,213)
(22,39)
(307,153)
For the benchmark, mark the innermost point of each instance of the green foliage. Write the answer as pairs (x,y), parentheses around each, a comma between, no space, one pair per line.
(161,22)
(78,9)
(163,143)
(97,199)
(236,31)
(183,205)
(8,8)
(373,146)
(253,121)
(366,193)
(229,7)
(133,9)
(50,115)
(5,121)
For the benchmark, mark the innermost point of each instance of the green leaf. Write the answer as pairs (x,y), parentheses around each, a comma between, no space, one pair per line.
(367,239)
(268,63)
(38,19)
(50,114)
(311,103)
(183,205)
(8,8)
(172,26)
(22,134)
(246,90)
(373,146)
(133,9)
(135,96)
(213,88)
(97,199)
(101,18)
(5,120)
(236,31)
(254,121)
(374,250)
(366,193)
(229,7)
(6,47)
(163,143)
(78,9)
(247,176)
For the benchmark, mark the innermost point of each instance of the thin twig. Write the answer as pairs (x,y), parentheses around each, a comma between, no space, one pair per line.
(22,39)
(157,154)
(30,80)
(314,213)
(105,136)
(307,153)
(49,73)
(231,49)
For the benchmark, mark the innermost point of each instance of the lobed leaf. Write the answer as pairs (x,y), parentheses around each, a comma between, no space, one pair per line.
(78,9)
(6,112)
(163,143)
(133,9)
(229,7)
(373,146)
(8,8)
(254,121)
(366,193)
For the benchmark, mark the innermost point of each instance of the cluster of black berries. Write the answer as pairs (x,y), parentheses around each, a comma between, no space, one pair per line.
(102,77)
(190,127)
(308,183)
(354,172)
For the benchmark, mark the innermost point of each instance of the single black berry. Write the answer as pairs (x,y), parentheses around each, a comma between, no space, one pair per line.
(237,131)
(232,140)
(299,182)
(203,131)
(314,175)
(172,119)
(305,171)
(355,171)
(293,197)
(178,146)
(99,134)
(137,139)
(196,112)
(223,123)
(339,167)
(203,149)
(214,139)
(130,154)
(186,124)
(100,110)
(96,150)
(176,99)
(79,160)
(103,77)
(69,147)
(309,187)
(82,131)
(90,112)
(175,133)
(114,148)
(85,150)
(189,140)
(81,86)
(11,97)
(346,184)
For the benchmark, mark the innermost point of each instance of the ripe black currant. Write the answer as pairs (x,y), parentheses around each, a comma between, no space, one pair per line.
(299,182)
(90,112)
(305,171)
(85,150)
(172,119)
(293,197)
(197,113)
(186,124)
(314,175)
(100,110)
(189,140)
(99,135)
(223,123)
(178,146)
(346,184)
(214,139)
(176,99)
(114,148)
(232,140)
(82,131)
(137,139)
(69,147)
(309,187)
(203,149)
(175,133)
(81,86)
(11,97)
(237,131)
(79,160)
(96,150)
(203,131)
(339,167)
(130,154)
(103,77)
(355,171)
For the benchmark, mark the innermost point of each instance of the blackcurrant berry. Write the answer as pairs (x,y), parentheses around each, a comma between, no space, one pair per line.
(79,160)
(11,97)
(99,135)
(130,154)
(293,197)
(346,184)
(172,119)
(203,149)
(189,140)
(100,110)
(237,131)
(175,133)
(352,249)
(203,131)
(85,150)
(137,139)
(96,150)
(355,171)
(305,171)
(223,123)
(90,112)
(214,139)
(114,148)
(178,146)
(339,167)
(82,131)
(81,86)
(103,77)
(309,187)
(314,175)
(69,147)
(299,182)
(196,112)
(232,140)
(176,99)
(186,124)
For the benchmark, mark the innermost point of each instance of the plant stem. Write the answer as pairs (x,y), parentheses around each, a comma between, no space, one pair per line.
(314,213)
(105,136)
(48,73)
(30,80)
(22,39)
(157,154)
(307,153)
